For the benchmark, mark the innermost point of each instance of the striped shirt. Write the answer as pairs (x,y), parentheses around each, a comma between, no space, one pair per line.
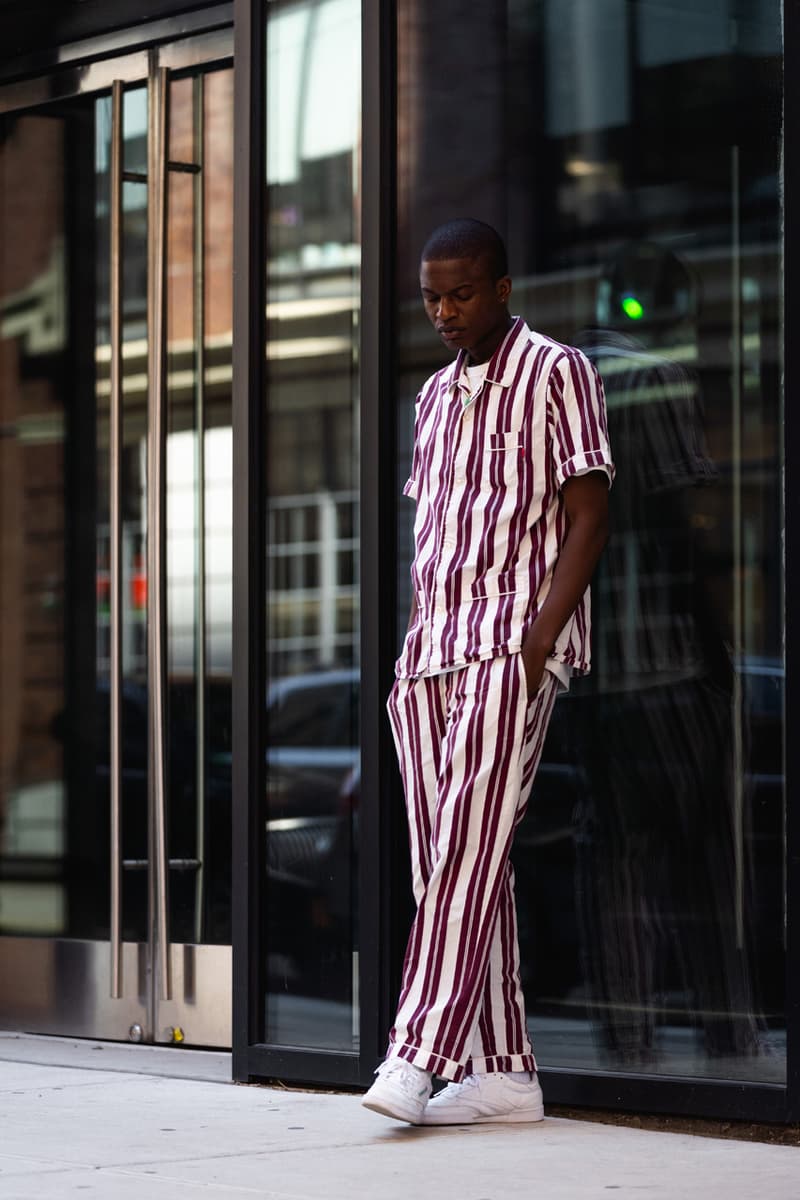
(490,519)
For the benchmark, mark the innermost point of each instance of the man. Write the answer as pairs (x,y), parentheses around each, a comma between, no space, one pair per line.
(510,475)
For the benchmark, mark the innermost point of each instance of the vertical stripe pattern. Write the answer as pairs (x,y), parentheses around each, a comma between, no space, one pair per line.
(468,743)
(490,519)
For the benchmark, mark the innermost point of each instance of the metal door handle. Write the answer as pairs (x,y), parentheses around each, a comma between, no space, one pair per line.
(198,206)
(115,535)
(158,127)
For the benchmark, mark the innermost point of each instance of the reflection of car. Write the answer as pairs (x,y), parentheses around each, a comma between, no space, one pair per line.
(312,760)
(191,845)
(312,748)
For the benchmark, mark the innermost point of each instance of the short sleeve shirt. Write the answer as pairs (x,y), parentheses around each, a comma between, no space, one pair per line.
(490,520)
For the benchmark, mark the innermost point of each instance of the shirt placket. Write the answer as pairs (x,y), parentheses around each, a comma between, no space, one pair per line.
(440,616)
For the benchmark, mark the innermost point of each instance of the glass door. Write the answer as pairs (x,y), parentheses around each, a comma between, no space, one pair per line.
(115,354)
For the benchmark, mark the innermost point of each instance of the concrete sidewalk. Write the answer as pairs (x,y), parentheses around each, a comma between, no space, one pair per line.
(80,1118)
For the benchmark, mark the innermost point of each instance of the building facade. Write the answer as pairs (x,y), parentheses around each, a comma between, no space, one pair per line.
(210,344)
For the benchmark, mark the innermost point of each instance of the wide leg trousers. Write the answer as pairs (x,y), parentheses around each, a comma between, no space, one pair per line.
(469,743)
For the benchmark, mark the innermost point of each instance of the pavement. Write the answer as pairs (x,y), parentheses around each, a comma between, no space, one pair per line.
(98,1119)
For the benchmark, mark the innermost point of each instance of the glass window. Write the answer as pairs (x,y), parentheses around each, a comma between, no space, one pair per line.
(313,282)
(55,548)
(37,568)
(630,154)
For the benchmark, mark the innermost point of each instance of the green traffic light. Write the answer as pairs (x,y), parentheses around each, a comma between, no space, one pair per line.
(632,308)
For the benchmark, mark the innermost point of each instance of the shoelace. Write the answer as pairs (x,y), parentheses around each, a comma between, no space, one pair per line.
(455,1089)
(409,1080)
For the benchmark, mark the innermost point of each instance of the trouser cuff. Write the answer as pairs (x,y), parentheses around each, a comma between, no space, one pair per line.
(448,1068)
(427,1060)
(500,1062)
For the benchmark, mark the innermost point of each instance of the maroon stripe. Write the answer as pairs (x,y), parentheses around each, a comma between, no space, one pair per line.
(591,388)
(508,991)
(542,709)
(563,429)
(419,821)
(485,1024)
(538,560)
(499,360)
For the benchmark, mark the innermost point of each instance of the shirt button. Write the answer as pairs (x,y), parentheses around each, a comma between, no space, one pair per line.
(460,477)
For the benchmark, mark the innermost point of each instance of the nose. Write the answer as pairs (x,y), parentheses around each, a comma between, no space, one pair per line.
(446,310)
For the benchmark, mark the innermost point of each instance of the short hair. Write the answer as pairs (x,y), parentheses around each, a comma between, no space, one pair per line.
(465,237)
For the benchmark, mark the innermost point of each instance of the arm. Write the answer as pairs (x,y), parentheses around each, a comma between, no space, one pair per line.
(586,504)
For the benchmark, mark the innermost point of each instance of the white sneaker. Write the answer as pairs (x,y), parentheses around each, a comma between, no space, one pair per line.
(479,1099)
(400,1091)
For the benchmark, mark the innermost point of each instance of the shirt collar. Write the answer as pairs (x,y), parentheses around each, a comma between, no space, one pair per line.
(503,363)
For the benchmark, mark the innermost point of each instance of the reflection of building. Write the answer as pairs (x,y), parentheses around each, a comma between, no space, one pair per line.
(291,347)
(618,125)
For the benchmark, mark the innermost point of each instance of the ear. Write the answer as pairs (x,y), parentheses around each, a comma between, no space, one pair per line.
(503,289)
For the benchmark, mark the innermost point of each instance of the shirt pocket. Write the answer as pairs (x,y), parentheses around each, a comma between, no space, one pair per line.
(494,585)
(503,460)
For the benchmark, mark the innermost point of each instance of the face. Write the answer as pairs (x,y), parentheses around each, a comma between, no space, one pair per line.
(467,308)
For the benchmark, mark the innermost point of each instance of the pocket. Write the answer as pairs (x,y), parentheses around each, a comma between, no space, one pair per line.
(547,675)
(543,683)
(503,459)
(503,583)
(396,691)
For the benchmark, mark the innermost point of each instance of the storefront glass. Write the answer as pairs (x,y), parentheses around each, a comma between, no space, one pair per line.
(85,713)
(630,153)
(312,455)
(36,570)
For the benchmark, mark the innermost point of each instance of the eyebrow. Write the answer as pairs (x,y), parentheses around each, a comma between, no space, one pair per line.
(457,288)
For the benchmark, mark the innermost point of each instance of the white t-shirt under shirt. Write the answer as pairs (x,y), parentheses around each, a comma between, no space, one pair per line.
(471,381)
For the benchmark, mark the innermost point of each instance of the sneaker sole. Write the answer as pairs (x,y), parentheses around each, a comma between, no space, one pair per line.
(387,1109)
(520,1117)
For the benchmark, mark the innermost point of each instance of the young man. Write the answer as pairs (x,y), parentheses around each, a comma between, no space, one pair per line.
(510,475)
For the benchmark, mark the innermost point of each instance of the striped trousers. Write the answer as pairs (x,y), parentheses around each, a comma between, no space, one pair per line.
(469,743)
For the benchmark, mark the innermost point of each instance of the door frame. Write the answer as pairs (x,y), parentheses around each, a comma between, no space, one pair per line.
(381,820)
(99,988)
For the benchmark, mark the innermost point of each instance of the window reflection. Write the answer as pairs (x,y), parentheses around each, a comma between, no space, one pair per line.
(313,119)
(630,152)
(55,636)
(36,823)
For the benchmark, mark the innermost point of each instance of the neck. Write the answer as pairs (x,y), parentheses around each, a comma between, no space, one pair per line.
(487,346)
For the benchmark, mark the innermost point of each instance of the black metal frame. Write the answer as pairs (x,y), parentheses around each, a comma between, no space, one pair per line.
(81,32)
(251,1057)
(791,188)
(382,812)
(249,582)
